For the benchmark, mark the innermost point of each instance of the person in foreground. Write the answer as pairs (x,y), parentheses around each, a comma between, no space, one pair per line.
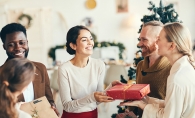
(15,76)
(81,78)
(175,43)
(15,43)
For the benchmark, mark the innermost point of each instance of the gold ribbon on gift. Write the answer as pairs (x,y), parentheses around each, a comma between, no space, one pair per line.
(125,88)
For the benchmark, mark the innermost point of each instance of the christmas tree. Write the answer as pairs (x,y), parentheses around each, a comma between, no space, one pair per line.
(162,13)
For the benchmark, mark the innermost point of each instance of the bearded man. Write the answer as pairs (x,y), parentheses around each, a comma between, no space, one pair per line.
(154,69)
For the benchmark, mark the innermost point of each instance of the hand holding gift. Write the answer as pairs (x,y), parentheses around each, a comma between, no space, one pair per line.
(101,97)
(56,111)
(116,82)
(126,115)
(137,103)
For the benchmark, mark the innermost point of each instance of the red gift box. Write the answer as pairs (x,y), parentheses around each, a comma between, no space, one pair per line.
(126,115)
(128,92)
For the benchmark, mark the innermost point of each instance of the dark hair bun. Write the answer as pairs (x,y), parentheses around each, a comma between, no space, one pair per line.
(69,49)
(72,36)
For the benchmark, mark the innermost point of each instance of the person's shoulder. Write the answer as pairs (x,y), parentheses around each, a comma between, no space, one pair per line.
(64,65)
(2,65)
(98,65)
(97,62)
(39,64)
(140,63)
(178,74)
(185,70)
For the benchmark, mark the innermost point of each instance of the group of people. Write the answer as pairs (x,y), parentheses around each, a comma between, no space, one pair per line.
(168,67)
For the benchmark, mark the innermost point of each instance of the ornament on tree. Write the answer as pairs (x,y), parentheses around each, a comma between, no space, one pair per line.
(138,58)
(123,80)
(131,73)
(164,14)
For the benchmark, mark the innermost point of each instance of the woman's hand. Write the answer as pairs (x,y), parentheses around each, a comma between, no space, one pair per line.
(101,97)
(56,111)
(116,82)
(137,103)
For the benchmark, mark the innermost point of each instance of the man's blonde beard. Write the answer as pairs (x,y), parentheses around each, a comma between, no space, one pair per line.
(150,50)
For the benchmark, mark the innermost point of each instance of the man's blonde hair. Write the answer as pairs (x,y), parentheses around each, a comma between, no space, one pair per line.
(154,27)
(153,23)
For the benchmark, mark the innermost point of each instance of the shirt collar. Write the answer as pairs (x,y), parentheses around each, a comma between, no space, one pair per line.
(159,64)
(177,65)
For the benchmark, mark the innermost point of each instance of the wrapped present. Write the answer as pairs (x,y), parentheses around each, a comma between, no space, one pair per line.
(126,115)
(39,108)
(128,92)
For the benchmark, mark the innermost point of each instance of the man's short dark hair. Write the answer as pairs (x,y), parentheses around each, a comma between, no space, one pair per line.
(11,28)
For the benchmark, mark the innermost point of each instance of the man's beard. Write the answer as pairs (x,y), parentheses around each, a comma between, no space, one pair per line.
(11,56)
(149,50)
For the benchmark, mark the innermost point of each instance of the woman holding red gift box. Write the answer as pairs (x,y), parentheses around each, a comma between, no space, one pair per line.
(15,75)
(82,77)
(175,43)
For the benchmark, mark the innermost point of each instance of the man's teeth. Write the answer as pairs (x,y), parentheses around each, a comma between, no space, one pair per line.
(19,53)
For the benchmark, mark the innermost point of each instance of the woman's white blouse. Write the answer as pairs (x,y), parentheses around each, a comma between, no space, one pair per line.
(180,94)
(77,85)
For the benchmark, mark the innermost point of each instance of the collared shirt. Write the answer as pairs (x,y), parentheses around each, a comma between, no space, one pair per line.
(29,93)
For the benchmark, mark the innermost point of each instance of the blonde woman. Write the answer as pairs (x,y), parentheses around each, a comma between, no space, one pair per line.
(175,43)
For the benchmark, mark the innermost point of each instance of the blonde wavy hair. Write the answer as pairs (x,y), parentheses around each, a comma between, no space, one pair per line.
(180,35)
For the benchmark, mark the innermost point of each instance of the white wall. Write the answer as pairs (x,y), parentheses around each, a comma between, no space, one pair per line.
(108,24)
